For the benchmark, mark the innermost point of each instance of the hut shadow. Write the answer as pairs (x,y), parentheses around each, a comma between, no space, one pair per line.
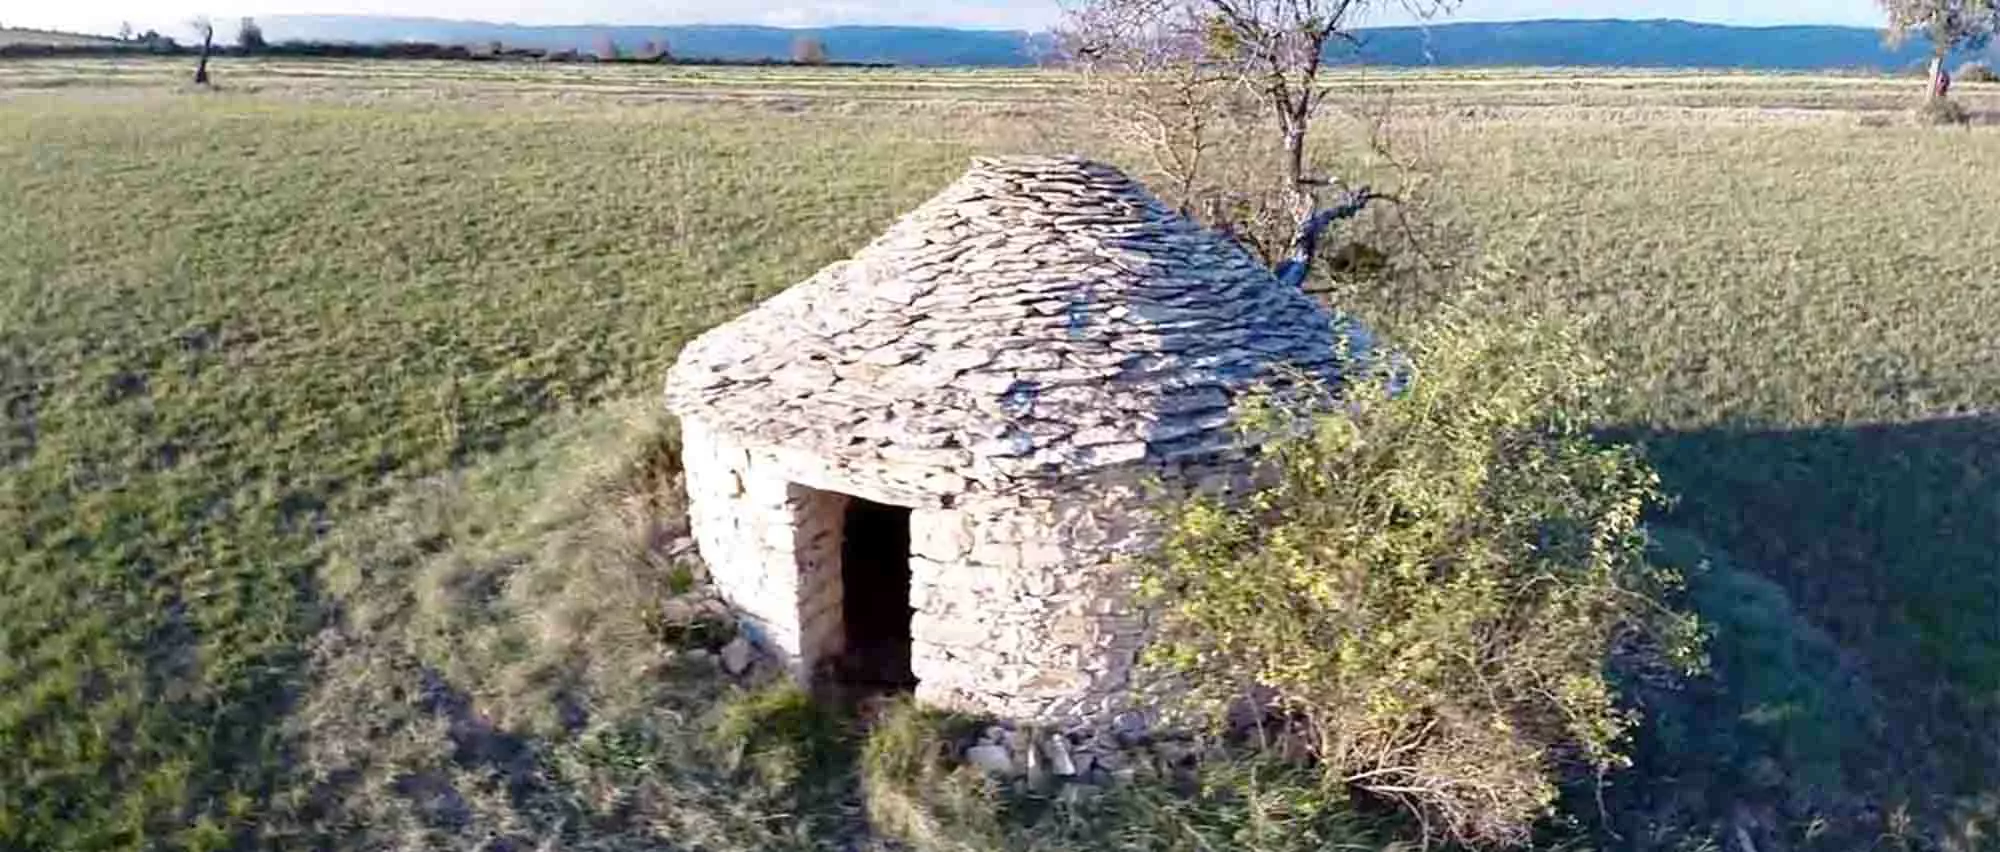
(1887,537)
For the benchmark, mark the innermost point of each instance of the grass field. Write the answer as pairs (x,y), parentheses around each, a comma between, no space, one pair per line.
(1457,93)
(240,328)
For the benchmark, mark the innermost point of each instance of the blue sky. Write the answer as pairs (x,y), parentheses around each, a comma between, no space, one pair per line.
(169,15)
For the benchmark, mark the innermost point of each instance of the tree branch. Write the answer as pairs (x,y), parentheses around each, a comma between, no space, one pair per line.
(1305,245)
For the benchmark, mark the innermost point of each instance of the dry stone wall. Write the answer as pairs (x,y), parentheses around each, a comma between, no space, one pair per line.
(1024,611)
(816,520)
(743,525)
(1024,607)
(1031,612)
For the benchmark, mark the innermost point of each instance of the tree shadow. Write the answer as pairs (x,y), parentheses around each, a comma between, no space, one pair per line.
(1887,538)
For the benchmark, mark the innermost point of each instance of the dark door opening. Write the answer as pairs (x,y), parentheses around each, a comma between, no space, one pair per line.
(875,597)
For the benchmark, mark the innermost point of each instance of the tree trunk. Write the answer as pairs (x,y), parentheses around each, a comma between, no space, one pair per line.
(1295,172)
(201,67)
(1940,78)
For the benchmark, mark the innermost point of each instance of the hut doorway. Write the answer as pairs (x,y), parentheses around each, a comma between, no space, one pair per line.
(875,597)
(854,591)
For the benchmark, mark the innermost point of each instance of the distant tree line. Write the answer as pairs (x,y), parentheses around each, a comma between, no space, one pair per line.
(158,45)
(250,41)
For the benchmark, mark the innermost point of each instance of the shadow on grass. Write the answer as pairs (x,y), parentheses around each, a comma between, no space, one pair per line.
(1887,538)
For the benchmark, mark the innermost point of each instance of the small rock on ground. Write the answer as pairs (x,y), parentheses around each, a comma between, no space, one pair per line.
(990,758)
(736,656)
(1060,762)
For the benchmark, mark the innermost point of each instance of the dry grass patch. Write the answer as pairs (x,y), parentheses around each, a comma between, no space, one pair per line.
(516,661)
(920,795)
(1943,111)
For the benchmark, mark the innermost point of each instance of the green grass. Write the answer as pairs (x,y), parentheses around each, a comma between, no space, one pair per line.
(227,325)
(239,329)
(1800,317)
(514,659)
(1484,94)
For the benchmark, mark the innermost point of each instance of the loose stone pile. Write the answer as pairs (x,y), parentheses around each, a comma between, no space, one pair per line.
(1013,361)
(1075,759)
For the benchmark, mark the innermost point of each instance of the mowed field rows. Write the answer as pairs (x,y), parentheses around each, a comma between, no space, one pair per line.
(233,323)
(1459,93)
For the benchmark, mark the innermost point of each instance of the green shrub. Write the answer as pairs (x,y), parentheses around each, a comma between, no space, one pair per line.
(1434,583)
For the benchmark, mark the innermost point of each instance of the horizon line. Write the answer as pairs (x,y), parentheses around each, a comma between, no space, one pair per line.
(938,27)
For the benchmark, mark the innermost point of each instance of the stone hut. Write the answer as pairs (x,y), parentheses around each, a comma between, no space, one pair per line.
(921,467)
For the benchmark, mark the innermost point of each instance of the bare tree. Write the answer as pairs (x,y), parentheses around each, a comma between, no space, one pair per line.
(249,35)
(1204,59)
(1155,85)
(206,29)
(607,47)
(809,50)
(1948,24)
(125,31)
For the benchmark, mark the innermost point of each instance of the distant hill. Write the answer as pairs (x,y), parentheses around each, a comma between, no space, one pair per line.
(1572,43)
(21,36)
(900,45)
(1668,44)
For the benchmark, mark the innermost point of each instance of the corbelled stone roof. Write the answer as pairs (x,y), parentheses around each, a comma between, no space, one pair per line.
(1040,316)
